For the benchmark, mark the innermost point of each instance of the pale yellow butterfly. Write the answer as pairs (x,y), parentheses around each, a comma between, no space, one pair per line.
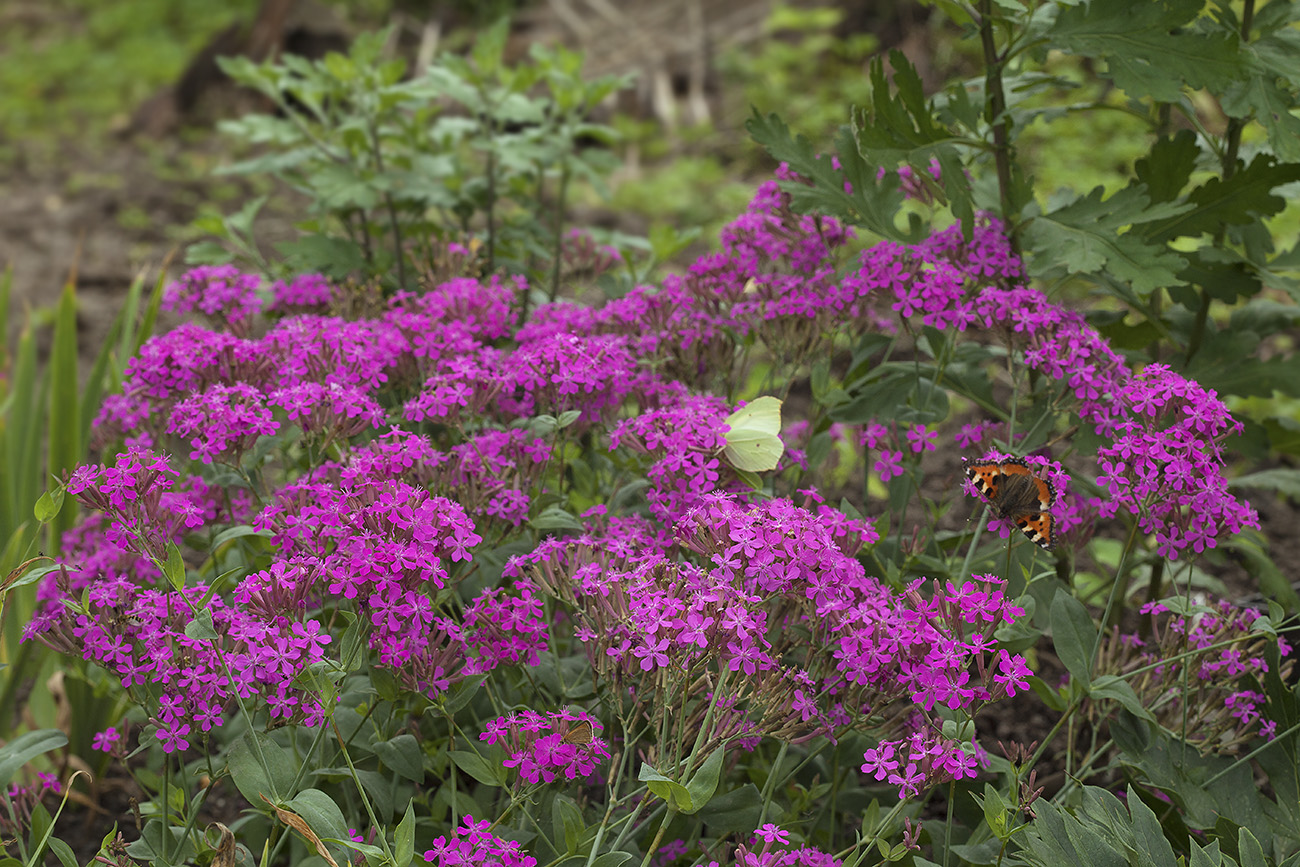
(753,443)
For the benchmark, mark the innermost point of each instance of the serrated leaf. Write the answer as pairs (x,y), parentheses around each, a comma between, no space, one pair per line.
(1083,237)
(1259,96)
(1149,48)
(871,201)
(1169,166)
(1243,199)
(1227,364)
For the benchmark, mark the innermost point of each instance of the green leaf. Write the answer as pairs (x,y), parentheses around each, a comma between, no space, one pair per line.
(462,693)
(612,859)
(239,531)
(899,127)
(477,767)
(1147,833)
(704,782)
(48,506)
(1149,48)
(380,789)
(323,816)
(26,747)
(251,776)
(404,837)
(872,201)
(737,810)
(63,852)
(1073,635)
(1245,198)
(150,846)
(200,628)
(31,576)
(1083,237)
(566,823)
(1169,166)
(403,755)
(1249,852)
(1283,481)
(556,518)
(1227,363)
(674,793)
(174,568)
(1259,96)
(333,257)
(1117,689)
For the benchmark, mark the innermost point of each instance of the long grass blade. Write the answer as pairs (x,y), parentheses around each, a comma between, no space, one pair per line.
(65,409)
(93,396)
(21,420)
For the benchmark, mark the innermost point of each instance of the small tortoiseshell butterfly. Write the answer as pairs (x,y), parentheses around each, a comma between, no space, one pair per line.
(1016,495)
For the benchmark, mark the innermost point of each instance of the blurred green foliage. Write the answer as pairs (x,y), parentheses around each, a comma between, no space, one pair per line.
(73,66)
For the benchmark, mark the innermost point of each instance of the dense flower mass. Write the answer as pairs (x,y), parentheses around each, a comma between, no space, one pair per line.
(461,493)
(473,845)
(545,747)
(1199,671)
(222,292)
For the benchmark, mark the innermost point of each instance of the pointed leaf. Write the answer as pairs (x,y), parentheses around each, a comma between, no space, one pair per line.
(1073,635)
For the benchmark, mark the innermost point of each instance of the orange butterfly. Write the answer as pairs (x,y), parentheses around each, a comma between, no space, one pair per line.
(1016,494)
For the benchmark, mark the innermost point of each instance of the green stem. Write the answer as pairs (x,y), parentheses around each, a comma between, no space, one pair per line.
(365,801)
(1229,167)
(559,231)
(996,115)
(1110,614)
(669,815)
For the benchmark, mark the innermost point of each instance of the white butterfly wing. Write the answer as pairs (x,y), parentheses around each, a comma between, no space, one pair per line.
(753,440)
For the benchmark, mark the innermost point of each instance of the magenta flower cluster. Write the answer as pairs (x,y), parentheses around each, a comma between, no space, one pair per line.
(546,747)
(774,602)
(222,292)
(368,519)
(1220,655)
(474,845)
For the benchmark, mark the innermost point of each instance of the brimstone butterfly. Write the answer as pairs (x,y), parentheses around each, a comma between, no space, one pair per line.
(753,443)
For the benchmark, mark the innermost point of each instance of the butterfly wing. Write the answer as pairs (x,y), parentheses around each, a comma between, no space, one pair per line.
(753,438)
(985,476)
(1038,527)
(1017,494)
(579,732)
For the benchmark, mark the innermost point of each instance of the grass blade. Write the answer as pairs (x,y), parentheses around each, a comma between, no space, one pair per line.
(65,409)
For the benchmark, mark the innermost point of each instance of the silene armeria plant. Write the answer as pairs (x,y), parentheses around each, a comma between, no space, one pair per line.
(474,572)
